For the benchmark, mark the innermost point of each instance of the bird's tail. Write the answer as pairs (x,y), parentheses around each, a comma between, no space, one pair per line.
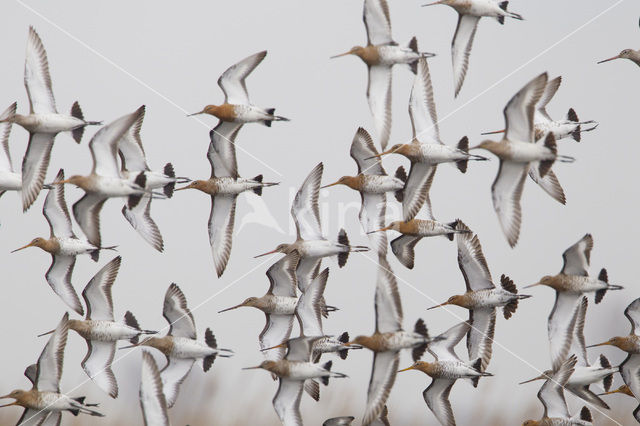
(171,186)
(503,5)
(131,321)
(603,276)
(401,174)
(271,112)
(607,380)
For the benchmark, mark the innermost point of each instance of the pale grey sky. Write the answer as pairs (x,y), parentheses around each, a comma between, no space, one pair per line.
(115,56)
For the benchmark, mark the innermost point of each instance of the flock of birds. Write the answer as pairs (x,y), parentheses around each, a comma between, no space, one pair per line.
(120,170)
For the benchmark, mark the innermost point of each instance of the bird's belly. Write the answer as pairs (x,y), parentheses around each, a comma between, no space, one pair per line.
(320,248)
(284,305)
(304,370)
(402,340)
(249,114)
(483,8)
(188,348)
(390,55)
(110,331)
(230,186)
(437,153)
(524,152)
(491,298)
(381,184)
(114,187)
(52,401)
(74,246)
(54,123)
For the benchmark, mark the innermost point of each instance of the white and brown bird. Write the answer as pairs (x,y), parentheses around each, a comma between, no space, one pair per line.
(426,149)
(179,345)
(373,184)
(293,372)
(445,370)
(278,305)
(518,152)
(106,179)
(551,395)
(584,373)
(44,403)
(387,341)
(63,245)
(310,242)
(482,296)
(630,367)
(43,121)
(223,186)
(100,329)
(570,285)
(237,109)
(380,55)
(133,162)
(469,14)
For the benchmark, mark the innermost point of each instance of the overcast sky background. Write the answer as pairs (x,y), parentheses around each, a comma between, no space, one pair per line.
(115,56)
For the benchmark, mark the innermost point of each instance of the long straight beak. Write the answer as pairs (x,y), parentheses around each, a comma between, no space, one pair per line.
(610,59)
(337,56)
(495,132)
(386,228)
(233,307)
(610,392)
(531,380)
(5,396)
(380,155)
(437,306)
(281,345)
(264,254)
(48,332)
(331,184)
(252,368)
(195,113)
(598,344)
(406,369)
(531,285)
(130,346)
(184,187)
(433,4)
(22,248)
(8,405)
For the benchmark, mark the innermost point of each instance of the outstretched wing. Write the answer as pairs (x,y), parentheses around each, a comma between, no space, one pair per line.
(461,47)
(232,80)
(518,113)
(304,210)
(177,313)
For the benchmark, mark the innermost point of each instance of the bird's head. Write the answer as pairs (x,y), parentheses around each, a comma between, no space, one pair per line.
(36,242)
(19,396)
(250,301)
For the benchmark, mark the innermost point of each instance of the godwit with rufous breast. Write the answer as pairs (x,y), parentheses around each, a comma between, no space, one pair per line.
(543,124)
(44,403)
(9,179)
(482,297)
(403,247)
(152,400)
(237,109)
(630,367)
(310,243)
(469,14)
(106,179)
(101,331)
(224,186)
(63,245)
(380,54)
(43,122)
(180,345)
(585,374)
(426,150)
(134,162)
(373,183)
(294,371)
(310,310)
(388,340)
(551,395)
(518,151)
(446,369)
